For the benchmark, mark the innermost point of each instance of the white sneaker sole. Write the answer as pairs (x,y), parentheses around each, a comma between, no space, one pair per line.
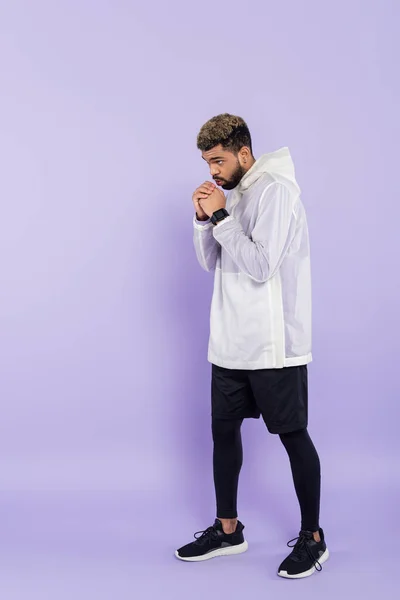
(228,551)
(311,571)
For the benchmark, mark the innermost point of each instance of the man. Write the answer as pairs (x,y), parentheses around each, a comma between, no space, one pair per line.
(256,242)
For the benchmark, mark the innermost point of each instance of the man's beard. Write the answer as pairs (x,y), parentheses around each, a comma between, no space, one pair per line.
(235,178)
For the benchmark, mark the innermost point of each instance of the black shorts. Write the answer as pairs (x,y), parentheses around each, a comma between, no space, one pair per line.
(280,396)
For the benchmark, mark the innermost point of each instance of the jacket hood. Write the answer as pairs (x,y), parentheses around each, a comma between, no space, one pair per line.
(279,164)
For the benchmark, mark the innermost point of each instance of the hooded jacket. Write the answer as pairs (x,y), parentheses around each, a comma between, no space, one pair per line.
(261,305)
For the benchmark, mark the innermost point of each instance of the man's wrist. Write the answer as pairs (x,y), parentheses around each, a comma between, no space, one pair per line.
(219,222)
(206,218)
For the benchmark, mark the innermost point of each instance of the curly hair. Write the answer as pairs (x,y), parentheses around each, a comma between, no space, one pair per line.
(228,130)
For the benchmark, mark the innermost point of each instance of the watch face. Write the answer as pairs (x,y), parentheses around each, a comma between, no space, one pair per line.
(219,215)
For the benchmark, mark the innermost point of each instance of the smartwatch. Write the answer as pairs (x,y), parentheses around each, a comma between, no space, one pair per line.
(219,215)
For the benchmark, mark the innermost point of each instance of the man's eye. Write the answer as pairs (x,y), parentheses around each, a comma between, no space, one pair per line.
(220,162)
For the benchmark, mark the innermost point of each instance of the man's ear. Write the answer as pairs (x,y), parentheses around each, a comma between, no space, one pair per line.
(245,154)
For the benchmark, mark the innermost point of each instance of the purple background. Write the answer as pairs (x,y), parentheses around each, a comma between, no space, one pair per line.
(105,444)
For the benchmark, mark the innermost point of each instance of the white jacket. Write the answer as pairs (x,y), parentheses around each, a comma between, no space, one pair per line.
(261,306)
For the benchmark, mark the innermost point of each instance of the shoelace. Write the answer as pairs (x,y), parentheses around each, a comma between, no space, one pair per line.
(203,536)
(300,545)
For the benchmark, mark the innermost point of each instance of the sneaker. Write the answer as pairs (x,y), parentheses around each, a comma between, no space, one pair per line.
(214,542)
(306,557)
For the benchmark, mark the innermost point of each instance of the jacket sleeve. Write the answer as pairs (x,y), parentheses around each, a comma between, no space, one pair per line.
(205,244)
(260,255)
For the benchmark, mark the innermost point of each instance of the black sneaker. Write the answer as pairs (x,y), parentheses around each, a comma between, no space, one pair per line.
(214,542)
(306,558)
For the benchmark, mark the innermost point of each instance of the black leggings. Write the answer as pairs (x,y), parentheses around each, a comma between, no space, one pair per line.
(228,459)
